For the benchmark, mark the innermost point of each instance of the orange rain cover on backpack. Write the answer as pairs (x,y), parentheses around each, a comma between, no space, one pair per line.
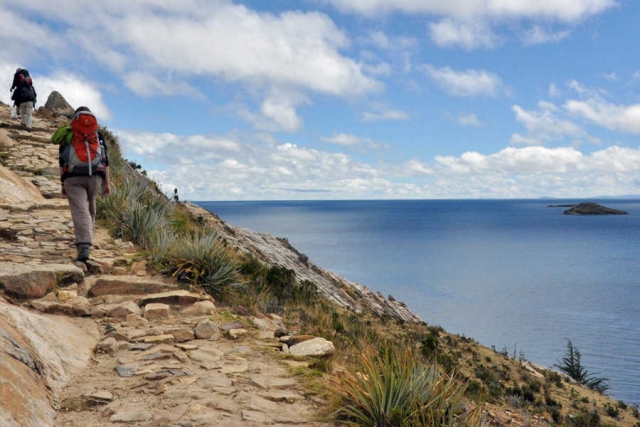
(85,150)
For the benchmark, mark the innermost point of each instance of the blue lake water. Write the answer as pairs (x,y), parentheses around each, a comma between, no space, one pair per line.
(514,274)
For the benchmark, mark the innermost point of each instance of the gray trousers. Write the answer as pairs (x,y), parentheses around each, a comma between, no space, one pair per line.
(26,111)
(82,192)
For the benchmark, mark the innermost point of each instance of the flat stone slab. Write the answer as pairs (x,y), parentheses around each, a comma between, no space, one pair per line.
(127,285)
(179,297)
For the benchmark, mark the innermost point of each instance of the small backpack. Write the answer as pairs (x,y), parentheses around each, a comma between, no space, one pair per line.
(84,155)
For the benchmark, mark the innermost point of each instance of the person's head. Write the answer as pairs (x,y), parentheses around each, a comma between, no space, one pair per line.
(18,69)
(79,110)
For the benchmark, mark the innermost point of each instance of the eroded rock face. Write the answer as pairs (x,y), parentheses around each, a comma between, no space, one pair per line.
(335,288)
(37,355)
(588,208)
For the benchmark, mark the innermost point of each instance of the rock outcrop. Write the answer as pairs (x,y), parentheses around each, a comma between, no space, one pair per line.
(335,288)
(589,208)
(58,106)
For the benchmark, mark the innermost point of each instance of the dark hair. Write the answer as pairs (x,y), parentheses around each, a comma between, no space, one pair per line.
(80,109)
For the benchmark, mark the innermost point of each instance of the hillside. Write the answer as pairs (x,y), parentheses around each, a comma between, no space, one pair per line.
(121,340)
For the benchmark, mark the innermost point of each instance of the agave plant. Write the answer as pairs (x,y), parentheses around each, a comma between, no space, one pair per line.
(203,259)
(393,388)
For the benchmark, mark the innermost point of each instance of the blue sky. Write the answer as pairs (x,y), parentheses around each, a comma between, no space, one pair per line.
(349,99)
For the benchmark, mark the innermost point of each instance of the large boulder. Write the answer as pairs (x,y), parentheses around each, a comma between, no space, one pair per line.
(36,280)
(58,106)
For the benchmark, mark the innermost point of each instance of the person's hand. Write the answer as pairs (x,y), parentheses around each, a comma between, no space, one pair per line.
(106,190)
(64,193)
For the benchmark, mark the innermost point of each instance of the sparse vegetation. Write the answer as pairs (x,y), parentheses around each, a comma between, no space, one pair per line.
(392,388)
(384,372)
(571,365)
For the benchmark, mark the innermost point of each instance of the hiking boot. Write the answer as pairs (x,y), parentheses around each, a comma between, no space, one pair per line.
(83,253)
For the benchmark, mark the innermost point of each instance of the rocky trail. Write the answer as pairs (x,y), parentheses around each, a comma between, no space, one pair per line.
(107,343)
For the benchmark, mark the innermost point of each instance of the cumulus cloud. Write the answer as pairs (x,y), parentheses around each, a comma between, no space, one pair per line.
(466,34)
(545,125)
(343,139)
(465,83)
(621,118)
(299,49)
(226,167)
(536,171)
(223,167)
(217,40)
(562,10)
(351,141)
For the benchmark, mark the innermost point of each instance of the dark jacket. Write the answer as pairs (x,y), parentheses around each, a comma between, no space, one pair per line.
(16,79)
(63,153)
(24,93)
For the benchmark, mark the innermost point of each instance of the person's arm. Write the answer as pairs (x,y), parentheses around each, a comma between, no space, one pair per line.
(106,187)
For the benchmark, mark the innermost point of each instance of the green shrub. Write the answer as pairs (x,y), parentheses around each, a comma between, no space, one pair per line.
(135,212)
(204,259)
(393,388)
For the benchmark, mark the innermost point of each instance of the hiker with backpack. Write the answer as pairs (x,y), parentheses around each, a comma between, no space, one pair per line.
(24,96)
(84,172)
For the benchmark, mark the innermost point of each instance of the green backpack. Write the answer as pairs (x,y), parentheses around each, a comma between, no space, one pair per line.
(62,136)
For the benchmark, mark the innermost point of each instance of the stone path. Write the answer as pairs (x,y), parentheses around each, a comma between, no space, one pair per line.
(159,356)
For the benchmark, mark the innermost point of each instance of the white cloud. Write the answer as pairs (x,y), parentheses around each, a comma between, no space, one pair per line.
(378,69)
(554,92)
(465,83)
(562,10)
(165,148)
(294,48)
(466,34)
(147,85)
(351,141)
(585,91)
(343,139)
(538,35)
(544,125)
(621,118)
(469,120)
(416,167)
(380,112)
(217,40)
(223,167)
(277,111)
(226,167)
(282,113)
(517,139)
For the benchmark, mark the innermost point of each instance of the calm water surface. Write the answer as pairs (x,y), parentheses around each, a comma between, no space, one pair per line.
(513,274)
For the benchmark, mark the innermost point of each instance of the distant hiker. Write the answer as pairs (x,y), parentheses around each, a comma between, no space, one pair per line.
(84,172)
(24,96)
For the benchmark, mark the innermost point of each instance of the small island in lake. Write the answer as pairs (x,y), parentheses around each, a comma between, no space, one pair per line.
(589,208)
